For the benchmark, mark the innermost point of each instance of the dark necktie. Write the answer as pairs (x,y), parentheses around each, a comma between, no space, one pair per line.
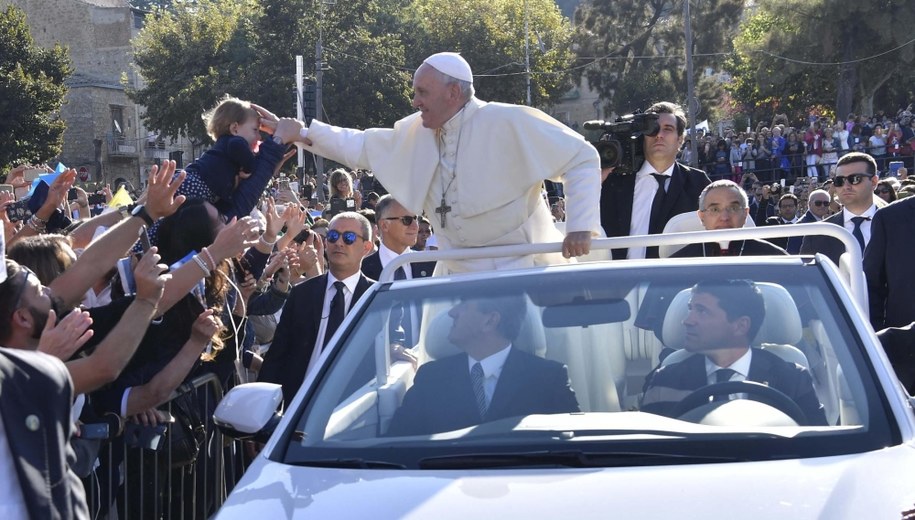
(654,224)
(723,375)
(406,321)
(337,311)
(476,378)
(657,202)
(857,231)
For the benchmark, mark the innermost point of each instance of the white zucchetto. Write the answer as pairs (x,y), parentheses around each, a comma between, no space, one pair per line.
(452,64)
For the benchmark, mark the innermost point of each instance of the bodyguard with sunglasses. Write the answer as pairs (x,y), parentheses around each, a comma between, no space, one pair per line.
(316,307)
(398,230)
(856,176)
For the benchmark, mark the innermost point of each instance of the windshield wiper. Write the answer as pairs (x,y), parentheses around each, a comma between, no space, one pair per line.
(349,463)
(567,458)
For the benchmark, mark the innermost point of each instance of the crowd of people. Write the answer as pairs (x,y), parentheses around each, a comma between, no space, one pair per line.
(231,270)
(783,151)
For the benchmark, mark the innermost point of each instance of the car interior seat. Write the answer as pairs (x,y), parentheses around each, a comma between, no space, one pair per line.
(435,343)
(781,328)
(685,222)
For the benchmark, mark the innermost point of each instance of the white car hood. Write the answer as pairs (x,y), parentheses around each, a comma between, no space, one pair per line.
(871,485)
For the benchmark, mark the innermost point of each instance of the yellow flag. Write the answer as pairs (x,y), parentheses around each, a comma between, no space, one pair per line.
(120,198)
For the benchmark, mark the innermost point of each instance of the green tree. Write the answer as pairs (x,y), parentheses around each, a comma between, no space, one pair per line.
(794,54)
(637,49)
(189,56)
(490,35)
(32,91)
(365,81)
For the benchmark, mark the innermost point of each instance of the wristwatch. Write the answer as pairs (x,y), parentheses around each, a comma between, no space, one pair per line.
(140,211)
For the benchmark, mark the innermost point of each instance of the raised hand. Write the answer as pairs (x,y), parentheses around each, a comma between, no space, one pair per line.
(57,192)
(205,327)
(150,278)
(275,220)
(63,339)
(163,184)
(238,235)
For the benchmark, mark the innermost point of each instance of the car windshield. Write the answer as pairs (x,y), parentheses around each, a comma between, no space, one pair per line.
(597,364)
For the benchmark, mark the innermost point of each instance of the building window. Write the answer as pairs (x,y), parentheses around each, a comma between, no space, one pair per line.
(117,122)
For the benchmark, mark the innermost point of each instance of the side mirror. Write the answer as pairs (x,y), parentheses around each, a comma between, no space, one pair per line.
(249,411)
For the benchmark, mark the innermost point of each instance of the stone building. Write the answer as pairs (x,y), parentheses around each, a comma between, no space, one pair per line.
(104,133)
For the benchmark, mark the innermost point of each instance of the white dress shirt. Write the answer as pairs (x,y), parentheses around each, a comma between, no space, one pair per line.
(492,368)
(330,291)
(865,226)
(645,189)
(386,256)
(741,367)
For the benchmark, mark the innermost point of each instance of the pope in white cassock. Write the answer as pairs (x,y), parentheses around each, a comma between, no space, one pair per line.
(475,168)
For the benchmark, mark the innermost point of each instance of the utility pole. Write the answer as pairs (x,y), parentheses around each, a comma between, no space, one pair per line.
(319,109)
(299,104)
(690,93)
(527,52)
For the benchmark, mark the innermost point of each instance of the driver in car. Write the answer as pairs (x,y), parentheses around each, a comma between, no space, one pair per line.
(723,318)
(492,379)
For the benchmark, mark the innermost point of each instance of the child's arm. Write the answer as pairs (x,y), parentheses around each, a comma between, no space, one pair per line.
(240,153)
(245,197)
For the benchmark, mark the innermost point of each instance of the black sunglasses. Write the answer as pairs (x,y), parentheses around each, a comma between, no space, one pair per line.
(819,203)
(348,236)
(882,190)
(23,281)
(405,220)
(853,179)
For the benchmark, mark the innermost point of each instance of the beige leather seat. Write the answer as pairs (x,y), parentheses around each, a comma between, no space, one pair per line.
(781,328)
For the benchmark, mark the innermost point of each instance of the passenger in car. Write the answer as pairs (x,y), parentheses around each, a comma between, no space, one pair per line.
(493,379)
(723,318)
(722,205)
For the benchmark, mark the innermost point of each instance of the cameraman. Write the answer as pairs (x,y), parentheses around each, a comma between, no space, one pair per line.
(641,204)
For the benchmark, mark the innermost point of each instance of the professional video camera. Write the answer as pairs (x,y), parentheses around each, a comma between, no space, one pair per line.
(620,146)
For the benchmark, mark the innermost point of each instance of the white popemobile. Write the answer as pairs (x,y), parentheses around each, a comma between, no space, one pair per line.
(737,449)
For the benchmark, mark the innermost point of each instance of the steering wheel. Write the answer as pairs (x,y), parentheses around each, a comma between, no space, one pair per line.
(766,394)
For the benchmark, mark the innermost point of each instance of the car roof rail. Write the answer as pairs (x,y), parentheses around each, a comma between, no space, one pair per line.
(853,277)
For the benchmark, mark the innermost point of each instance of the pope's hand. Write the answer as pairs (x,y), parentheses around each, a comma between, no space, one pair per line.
(576,243)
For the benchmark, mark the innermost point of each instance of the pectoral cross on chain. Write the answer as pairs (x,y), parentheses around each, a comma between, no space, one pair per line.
(443,211)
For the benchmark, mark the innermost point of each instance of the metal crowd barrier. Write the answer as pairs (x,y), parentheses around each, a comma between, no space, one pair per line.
(132,480)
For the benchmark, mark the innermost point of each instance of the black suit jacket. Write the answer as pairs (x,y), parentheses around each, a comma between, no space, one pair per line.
(737,248)
(294,341)
(669,384)
(887,264)
(616,199)
(899,345)
(442,399)
(36,398)
(371,267)
(795,243)
(776,220)
(829,246)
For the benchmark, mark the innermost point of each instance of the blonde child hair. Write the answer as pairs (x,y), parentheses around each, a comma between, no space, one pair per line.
(228,111)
